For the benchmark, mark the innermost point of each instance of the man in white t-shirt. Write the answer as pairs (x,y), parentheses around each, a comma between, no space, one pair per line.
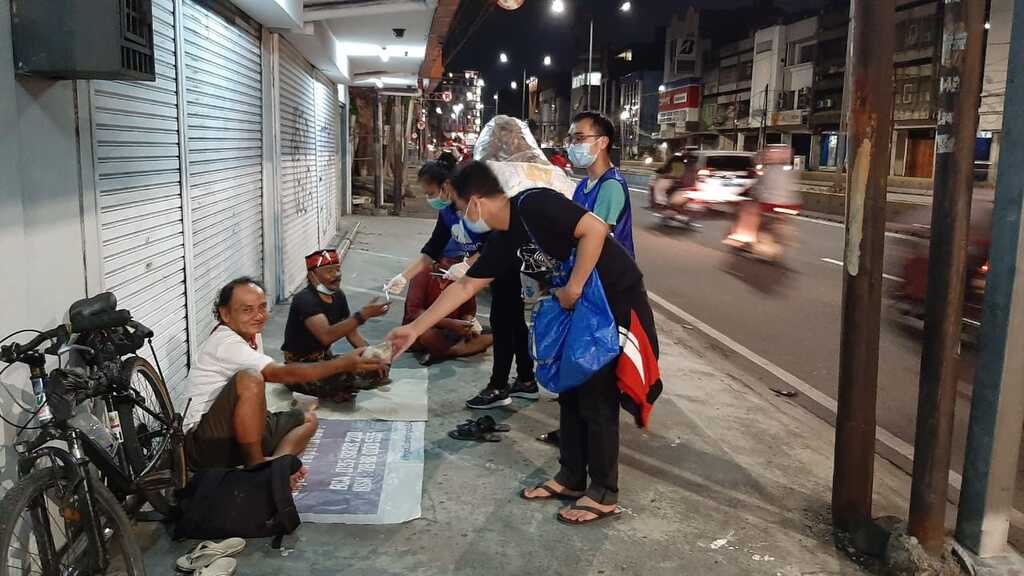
(227,423)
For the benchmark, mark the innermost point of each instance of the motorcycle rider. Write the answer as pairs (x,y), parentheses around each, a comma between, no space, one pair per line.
(775,194)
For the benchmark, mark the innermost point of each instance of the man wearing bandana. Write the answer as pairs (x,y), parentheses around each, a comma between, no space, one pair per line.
(319,316)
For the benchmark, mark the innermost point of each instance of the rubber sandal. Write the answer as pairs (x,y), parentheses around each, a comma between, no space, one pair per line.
(219,567)
(552,494)
(205,553)
(472,431)
(486,424)
(598,515)
(549,438)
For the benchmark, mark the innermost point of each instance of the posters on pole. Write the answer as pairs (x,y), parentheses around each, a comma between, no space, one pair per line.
(362,472)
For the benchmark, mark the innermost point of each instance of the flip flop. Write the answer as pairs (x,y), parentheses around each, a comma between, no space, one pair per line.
(552,494)
(549,438)
(486,424)
(473,431)
(205,553)
(598,515)
(219,567)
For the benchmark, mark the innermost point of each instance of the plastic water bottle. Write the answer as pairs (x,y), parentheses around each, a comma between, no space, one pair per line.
(91,426)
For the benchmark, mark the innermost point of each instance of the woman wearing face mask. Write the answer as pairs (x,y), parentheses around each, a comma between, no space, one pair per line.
(454,238)
(541,219)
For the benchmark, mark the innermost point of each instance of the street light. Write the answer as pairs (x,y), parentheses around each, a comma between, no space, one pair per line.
(437,109)
(661,88)
(558,6)
(503,58)
(514,85)
(547,60)
(625,6)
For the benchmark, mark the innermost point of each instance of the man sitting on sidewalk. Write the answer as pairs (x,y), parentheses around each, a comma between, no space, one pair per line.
(319,316)
(456,336)
(227,423)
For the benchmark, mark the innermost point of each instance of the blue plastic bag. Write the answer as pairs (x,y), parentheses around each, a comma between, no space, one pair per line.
(569,346)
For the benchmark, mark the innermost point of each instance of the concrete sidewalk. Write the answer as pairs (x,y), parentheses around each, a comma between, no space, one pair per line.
(729,480)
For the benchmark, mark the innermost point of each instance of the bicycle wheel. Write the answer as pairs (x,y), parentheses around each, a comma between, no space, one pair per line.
(149,442)
(42,531)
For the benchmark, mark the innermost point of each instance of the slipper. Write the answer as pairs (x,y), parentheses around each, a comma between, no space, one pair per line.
(599,515)
(219,567)
(549,438)
(472,431)
(552,494)
(205,553)
(486,424)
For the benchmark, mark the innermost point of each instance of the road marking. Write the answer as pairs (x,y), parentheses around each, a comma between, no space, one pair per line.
(902,449)
(840,264)
(360,250)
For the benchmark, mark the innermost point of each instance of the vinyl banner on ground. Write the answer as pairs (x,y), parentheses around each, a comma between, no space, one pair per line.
(363,472)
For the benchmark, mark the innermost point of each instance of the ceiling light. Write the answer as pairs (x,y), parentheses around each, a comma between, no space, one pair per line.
(384,57)
(378,82)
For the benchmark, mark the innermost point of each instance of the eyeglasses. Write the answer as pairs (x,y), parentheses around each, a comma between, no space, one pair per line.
(578,138)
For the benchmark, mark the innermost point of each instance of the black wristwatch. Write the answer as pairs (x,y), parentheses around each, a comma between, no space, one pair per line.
(360,319)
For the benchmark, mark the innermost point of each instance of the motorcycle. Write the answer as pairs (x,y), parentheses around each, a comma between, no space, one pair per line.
(907,297)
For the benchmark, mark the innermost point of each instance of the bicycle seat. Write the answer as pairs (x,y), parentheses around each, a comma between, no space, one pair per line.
(87,307)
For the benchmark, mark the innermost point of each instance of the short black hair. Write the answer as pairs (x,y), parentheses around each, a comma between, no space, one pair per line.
(602,124)
(228,292)
(475,178)
(435,172)
(448,159)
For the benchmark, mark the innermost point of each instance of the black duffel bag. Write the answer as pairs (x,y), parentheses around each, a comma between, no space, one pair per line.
(251,502)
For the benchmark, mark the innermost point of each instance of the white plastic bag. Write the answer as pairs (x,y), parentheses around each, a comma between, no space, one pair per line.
(512,153)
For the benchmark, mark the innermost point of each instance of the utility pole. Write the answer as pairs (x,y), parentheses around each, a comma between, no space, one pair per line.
(590,62)
(997,403)
(958,100)
(764,120)
(871,58)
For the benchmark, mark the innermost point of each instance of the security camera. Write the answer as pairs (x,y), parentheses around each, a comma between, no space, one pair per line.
(398,32)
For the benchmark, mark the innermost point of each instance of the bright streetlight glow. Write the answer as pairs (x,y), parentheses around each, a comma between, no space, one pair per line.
(625,6)
(988,25)
(503,58)
(661,88)
(547,60)
(480,82)
(437,109)
(514,85)
(495,96)
(558,6)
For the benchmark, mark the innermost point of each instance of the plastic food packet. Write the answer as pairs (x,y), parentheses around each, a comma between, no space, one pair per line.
(382,351)
(511,152)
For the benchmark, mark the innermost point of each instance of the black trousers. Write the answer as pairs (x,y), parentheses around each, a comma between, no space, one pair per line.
(511,336)
(589,413)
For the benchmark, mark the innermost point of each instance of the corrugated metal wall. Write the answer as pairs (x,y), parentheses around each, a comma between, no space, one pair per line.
(327,156)
(138,172)
(224,115)
(299,191)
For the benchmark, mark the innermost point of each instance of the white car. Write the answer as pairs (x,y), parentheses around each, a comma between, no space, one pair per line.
(707,178)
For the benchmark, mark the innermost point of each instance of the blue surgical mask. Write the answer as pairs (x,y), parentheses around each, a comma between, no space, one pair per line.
(581,155)
(476,226)
(438,203)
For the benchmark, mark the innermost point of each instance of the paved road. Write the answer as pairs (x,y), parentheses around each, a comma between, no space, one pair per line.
(790,314)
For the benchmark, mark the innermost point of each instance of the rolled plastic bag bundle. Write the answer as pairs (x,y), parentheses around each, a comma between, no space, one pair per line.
(512,153)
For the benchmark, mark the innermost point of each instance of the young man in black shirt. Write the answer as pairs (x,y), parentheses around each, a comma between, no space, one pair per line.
(545,221)
(319,316)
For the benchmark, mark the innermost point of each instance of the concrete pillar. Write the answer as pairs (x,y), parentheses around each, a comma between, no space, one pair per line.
(997,144)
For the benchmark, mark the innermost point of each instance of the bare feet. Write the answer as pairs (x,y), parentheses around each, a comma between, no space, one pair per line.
(540,493)
(582,515)
(298,477)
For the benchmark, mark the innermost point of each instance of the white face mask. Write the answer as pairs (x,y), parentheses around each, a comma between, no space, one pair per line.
(325,290)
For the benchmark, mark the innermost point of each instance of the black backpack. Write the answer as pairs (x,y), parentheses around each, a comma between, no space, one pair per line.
(251,502)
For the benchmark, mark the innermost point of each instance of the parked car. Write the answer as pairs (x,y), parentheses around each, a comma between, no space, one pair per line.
(559,157)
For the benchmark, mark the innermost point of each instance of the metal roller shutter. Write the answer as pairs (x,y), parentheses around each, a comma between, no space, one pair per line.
(138,174)
(299,202)
(327,156)
(224,119)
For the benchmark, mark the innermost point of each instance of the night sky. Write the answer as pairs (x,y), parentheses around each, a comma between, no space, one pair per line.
(533,31)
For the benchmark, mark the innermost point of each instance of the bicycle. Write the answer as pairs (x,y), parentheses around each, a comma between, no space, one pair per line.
(88,491)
